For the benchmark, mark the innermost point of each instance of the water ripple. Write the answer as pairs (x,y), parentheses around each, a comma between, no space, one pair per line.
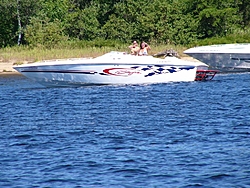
(160,135)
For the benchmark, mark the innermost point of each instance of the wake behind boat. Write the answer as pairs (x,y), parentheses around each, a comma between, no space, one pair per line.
(224,57)
(111,68)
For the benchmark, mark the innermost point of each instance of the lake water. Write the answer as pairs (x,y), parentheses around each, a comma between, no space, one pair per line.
(193,134)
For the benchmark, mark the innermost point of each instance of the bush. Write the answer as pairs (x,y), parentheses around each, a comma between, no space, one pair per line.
(42,33)
(239,36)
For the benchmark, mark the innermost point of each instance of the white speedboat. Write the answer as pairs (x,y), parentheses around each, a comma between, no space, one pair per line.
(110,68)
(224,57)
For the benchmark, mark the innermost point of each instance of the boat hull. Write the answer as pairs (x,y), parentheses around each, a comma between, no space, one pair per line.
(225,57)
(103,74)
(224,61)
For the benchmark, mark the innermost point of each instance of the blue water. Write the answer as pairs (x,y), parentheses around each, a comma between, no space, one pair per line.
(162,135)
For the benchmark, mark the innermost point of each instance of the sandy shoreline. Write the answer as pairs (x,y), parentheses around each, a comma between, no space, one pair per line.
(6,67)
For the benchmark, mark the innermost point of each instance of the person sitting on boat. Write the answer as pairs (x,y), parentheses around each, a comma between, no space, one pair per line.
(144,47)
(134,48)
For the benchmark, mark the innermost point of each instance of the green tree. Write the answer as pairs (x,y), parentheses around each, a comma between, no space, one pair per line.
(11,12)
(180,22)
(55,9)
(215,17)
(83,24)
(117,29)
(244,10)
(8,21)
(215,22)
(154,21)
(46,28)
(43,33)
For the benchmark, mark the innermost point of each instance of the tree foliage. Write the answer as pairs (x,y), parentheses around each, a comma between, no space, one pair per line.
(8,23)
(48,22)
(83,24)
(44,33)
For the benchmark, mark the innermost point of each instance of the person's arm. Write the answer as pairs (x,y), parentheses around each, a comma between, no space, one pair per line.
(147,46)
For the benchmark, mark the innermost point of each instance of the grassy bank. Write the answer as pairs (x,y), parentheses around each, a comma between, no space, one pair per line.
(22,54)
(78,48)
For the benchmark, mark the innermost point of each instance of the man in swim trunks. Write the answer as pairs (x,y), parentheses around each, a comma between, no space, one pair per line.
(134,48)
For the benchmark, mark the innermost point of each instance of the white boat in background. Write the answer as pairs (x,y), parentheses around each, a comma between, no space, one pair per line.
(111,68)
(224,57)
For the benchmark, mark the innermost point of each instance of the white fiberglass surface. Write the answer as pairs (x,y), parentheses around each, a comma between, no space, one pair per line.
(222,48)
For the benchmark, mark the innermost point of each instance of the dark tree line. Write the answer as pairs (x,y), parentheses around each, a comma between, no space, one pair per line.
(47,22)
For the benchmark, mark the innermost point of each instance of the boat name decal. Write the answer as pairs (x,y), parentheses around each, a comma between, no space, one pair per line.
(121,71)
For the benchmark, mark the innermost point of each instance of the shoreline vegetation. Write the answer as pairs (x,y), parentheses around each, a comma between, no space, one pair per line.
(22,55)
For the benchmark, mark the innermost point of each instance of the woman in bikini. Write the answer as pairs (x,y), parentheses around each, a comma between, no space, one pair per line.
(144,47)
